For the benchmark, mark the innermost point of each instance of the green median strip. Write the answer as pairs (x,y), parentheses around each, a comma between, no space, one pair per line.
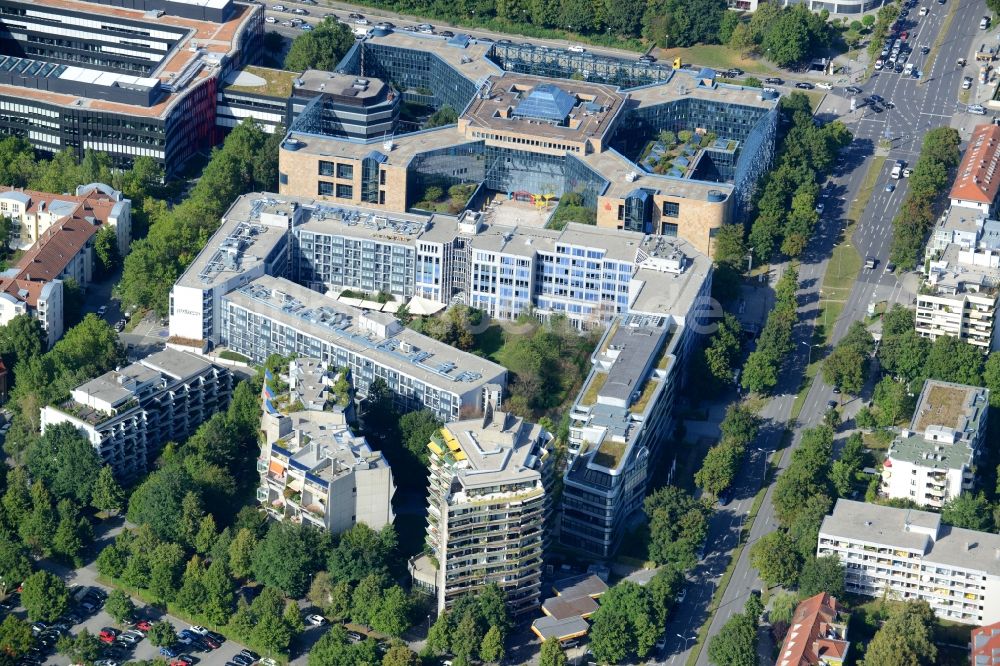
(720,589)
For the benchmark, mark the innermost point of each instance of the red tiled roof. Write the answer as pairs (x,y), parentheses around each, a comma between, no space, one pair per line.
(986,645)
(807,637)
(94,203)
(977,178)
(48,258)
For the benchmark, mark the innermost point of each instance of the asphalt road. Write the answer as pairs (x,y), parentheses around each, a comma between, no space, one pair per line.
(919,106)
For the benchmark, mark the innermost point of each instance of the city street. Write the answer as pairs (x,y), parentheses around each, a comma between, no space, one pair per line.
(919,106)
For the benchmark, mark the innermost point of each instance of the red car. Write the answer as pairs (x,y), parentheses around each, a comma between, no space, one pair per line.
(143,625)
(105,637)
(903,35)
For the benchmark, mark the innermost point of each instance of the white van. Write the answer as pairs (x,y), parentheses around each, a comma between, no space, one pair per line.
(984,23)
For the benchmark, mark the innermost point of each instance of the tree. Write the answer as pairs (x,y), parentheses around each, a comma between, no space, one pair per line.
(84,648)
(552,654)
(320,48)
(44,596)
(719,468)
(72,535)
(623,624)
(15,566)
(21,338)
(241,553)
(119,606)
(106,249)
(905,638)
(392,614)
(285,558)
(845,367)
(271,634)
(491,649)
(400,655)
(162,634)
(65,462)
(362,551)
(416,429)
(678,525)
(991,377)
(111,561)
(165,563)
(157,502)
(972,512)
(38,527)
(822,574)
(952,360)
(736,643)
(15,636)
(445,115)
(774,556)
(108,496)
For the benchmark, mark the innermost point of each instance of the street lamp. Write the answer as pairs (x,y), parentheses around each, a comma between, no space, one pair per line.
(686,639)
(809,362)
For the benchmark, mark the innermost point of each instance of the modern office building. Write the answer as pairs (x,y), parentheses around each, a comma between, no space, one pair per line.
(623,416)
(933,461)
(534,125)
(817,635)
(130,413)
(314,469)
(135,80)
(488,507)
(910,555)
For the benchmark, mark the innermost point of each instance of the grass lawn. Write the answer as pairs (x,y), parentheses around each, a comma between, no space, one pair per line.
(489,342)
(718,57)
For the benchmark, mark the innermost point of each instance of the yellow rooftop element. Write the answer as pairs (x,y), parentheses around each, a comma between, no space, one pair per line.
(435,448)
(450,440)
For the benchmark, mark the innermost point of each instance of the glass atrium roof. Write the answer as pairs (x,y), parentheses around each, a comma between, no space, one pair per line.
(546,102)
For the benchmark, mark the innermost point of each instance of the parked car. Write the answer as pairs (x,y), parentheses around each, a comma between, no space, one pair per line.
(889,187)
(773,81)
(197,629)
(215,636)
(316,620)
(355,637)
(853,90)
(143,625)
(169,651)
(824,85)
(187,659)
(804,85)
(977,109)
(241,660)
(251,654)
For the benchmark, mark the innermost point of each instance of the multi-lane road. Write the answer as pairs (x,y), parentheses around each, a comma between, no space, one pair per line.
(919,105)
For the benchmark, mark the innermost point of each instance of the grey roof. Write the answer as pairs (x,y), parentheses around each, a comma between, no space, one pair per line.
(636,342)
(585,585)
(176,364)
(901,528)
(914,448)
(990,239)
(20,197)
(498,449)
(549,627)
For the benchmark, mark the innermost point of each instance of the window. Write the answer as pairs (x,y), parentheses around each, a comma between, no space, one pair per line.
(671,209)
(325,189)
(326,168)
(345,191)
(621,212)
(345,171)
(283,178)
(670,230)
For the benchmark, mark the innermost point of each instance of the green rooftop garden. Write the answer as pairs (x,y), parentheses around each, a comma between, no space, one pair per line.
(595,386)
(278,82)
(609,454)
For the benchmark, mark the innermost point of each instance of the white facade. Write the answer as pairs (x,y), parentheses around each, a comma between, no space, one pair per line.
(128,414)
(908,554)
(969,316)
(48,310)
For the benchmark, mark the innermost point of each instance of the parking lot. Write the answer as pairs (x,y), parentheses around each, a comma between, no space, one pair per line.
(143,650)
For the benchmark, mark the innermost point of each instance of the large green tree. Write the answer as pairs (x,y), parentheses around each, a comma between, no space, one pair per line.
(822,574)
(320,48)
(44,596)
(905,638)
(736,643)
(775,558)
(65,462)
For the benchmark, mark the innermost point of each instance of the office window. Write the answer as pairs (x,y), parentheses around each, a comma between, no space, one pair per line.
(671,209)
(345,171)
(325,189)
(670,230)
(326,168)
(345,191)
(282,178)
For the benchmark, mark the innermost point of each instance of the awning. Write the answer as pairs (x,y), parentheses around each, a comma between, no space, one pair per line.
(276,468)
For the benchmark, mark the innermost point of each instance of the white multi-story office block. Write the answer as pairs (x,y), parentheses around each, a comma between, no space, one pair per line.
(962,304)
(932,461)
(909,554)
(314,470)
(490,494)
(129,414)
(276,316)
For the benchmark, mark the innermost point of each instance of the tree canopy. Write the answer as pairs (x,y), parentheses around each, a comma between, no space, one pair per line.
(320,48)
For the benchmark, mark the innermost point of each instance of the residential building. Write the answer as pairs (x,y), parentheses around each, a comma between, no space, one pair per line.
(33,213)
(129,414)
(910,554)
(986,645)
(817,635)
(314,469)
(488,508)
(839,7)
(41,299)
(276,316)
(933,461)
(135,80)
(977,183)
(960,300)
(623,415)
(527,134)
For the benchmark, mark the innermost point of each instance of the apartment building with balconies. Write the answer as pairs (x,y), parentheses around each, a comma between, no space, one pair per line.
(488,508)
(129,414)
(960,303)
(314,469)
(909,554)
(933,460)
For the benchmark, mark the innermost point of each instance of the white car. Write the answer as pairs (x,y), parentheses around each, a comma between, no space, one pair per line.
(923,11)
(316,620)
(576,49)
(824,86)
(977,109)
(270,19)
(201,631)
(819,207)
